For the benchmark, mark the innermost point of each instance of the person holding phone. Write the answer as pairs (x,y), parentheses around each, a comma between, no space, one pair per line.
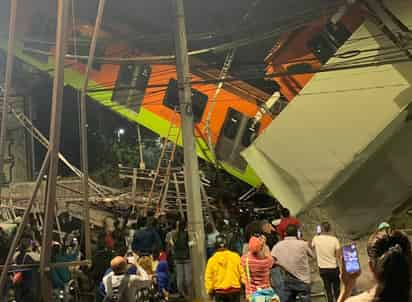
(327,249)
(390,261)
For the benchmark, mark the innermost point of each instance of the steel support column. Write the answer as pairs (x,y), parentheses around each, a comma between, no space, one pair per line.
(55,125)
(191,164)
(83,130)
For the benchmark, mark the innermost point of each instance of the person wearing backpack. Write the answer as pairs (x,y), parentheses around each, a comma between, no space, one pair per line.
(119,285)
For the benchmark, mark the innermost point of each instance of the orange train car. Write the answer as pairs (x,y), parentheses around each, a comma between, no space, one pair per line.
(310,47)
(147,93)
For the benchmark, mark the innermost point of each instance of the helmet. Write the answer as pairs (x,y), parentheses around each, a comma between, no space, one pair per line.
(221,242)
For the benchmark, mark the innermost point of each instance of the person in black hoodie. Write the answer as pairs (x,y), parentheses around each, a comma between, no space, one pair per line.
(27,289)
(182,259)
(4,245)
(101,259)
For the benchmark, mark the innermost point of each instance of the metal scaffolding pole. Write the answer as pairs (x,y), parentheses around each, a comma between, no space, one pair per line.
(191,165)
(55,125)
(83,130)
(20,229)
(7,84)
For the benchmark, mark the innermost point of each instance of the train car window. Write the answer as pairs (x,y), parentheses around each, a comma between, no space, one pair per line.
(232,123)
(233,138)
(322,47)
(338,33)
(325,44)
(299,68)
(199,100)
(279,106)
(251,133)
(131,85)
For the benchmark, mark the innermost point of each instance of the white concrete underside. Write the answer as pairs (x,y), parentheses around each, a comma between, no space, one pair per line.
(343,142)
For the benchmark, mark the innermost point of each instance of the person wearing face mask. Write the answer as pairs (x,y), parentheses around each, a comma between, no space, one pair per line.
(390,261)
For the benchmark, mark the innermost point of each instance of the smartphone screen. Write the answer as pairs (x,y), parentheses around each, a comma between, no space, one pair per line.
(351,258)
(318,229)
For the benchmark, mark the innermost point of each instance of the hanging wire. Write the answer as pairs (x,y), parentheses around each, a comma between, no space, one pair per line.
(348,56)
(281,28)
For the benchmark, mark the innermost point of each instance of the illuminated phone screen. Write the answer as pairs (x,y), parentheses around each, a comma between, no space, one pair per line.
(351,258)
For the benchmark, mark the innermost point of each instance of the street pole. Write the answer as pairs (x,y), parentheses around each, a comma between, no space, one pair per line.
(7,85)
(55,126)
(83,130)
(191,165)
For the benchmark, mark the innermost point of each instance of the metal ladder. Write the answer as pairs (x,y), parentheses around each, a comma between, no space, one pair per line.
(164,168)
(175,197)
(28,125)
(222,76)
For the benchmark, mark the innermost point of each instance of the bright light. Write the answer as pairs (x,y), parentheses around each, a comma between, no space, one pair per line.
(120,133)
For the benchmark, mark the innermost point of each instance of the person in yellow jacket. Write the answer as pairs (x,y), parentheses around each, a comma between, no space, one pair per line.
(224,275)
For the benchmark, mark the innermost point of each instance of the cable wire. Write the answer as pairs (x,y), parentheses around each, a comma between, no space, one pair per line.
(250,39)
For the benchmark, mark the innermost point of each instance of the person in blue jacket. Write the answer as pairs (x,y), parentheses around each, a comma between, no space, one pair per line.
(146,240)
(163,278)
(60,275)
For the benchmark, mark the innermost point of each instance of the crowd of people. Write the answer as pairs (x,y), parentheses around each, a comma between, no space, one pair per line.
(149,260)
(280,270)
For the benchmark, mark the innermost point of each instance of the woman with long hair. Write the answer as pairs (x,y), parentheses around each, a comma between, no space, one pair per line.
(390,261)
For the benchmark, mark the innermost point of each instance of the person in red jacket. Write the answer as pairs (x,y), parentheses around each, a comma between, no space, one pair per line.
(285,221)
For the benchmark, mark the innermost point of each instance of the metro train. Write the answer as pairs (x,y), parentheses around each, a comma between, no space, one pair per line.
(147,93)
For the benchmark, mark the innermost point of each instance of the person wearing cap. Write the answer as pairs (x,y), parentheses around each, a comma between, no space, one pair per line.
(223,275)
(257,264)
(118,285)
(384,226)
(60,275)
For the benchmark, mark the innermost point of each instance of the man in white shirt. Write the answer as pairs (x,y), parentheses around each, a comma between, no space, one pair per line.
(327,248)
(119,285)
(293,255)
